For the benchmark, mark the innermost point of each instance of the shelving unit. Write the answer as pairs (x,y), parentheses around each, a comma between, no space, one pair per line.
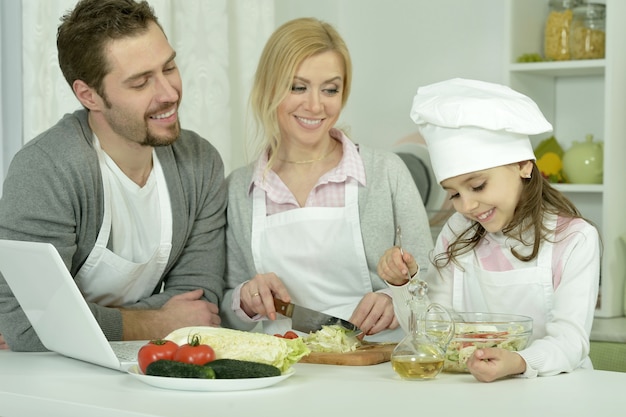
(579,98)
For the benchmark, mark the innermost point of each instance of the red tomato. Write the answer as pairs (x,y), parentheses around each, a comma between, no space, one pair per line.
(155,350)
(194,352)
(291,335)
(278,335)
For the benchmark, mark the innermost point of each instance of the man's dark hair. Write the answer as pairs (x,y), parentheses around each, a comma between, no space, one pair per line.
(85,31)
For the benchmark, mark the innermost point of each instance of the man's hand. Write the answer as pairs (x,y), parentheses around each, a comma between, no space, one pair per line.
(3,343)
(182,310)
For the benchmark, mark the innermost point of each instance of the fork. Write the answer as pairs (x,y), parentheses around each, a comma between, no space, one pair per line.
(416,287)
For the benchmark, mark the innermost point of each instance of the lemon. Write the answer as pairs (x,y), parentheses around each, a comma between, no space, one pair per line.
(551,165)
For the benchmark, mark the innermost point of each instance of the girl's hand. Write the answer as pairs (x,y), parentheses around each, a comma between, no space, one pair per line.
(489,364)
(257,295)
(394,268)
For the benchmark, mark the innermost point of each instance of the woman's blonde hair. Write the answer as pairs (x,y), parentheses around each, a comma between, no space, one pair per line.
(287,47)
(538,198)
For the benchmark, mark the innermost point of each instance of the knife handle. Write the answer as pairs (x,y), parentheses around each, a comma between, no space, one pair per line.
(286,309)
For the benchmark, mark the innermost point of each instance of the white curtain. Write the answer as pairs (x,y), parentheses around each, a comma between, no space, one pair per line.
(10,88)
(2,168)
(218,43)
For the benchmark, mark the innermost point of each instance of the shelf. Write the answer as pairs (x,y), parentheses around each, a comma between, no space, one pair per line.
(561,68)
(579,188)
(580,97)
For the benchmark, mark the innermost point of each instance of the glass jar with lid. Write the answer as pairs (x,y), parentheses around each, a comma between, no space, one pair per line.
(587,32)
(556,45)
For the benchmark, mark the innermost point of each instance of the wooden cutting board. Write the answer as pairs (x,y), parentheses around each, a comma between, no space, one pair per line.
(369,354)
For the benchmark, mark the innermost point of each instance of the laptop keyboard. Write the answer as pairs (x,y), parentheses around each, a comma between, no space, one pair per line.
(127,350)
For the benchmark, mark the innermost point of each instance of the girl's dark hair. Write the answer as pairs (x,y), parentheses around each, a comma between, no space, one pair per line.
(538,198)
(85,31)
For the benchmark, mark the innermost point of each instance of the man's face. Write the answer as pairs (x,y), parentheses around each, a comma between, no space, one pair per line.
(143,90)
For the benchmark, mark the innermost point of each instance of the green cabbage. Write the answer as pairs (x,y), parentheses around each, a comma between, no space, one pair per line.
(332,339)
(246,346)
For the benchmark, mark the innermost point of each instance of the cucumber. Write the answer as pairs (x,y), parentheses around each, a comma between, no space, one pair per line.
(235,369)
(174,369)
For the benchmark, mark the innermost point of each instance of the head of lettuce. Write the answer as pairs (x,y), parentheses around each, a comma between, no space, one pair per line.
(245,346)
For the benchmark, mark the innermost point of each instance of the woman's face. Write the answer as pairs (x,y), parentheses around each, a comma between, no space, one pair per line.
(490,196)
(313,106)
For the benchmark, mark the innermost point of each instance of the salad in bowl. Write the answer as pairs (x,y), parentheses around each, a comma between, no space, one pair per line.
(485,330)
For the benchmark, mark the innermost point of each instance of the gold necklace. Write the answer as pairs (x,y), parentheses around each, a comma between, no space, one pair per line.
(310,161)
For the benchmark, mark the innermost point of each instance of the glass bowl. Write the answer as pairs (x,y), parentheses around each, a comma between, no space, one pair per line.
(482,330)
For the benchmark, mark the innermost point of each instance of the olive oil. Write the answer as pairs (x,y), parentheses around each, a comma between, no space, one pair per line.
(412,368)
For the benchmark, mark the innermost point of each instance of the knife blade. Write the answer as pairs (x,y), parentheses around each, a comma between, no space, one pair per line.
(306,320)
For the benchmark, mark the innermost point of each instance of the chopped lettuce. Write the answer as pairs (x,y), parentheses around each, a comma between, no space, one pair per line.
(247,346)
(471,337)
(332,339)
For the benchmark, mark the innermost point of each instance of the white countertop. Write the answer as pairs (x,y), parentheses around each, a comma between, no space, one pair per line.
(46,384)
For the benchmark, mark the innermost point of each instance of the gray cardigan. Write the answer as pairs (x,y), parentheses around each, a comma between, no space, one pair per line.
(390,198)
(53,193)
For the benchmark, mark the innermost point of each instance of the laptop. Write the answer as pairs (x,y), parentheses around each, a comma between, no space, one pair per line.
(56,308)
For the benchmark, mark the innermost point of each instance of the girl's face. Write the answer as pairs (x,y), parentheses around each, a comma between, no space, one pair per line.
(490,196)
(313,106)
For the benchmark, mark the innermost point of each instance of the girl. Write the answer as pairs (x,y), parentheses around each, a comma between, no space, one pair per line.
(516,245)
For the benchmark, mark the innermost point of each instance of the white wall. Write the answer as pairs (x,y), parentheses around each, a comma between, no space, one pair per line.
(398,45)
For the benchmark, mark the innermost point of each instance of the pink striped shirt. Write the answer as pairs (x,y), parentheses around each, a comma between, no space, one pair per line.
(327,192)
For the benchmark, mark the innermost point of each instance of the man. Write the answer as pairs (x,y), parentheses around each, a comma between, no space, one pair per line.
(119,186)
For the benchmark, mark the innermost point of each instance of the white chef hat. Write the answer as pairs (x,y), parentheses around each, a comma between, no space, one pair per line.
(473,125)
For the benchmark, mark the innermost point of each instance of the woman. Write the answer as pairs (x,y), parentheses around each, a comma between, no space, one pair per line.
(516,245)
(309,220)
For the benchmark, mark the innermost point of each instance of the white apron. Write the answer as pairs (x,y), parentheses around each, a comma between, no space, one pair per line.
(318,254)
(110,280)
(527,292)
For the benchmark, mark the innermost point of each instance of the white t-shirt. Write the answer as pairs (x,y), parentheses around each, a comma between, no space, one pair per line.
(135,217)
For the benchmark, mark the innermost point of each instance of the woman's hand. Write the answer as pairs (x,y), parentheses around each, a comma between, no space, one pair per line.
(374,314)
(393,266)
(489,364)
(257,295)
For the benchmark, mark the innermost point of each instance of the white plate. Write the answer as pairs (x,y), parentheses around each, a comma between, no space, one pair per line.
(195,384)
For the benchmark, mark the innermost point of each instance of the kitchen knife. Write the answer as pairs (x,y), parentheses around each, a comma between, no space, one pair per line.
(306,320)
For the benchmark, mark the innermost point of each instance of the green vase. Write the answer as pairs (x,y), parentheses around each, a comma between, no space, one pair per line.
(583,163)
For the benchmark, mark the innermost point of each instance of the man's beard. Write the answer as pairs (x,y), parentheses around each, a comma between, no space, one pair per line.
(125,127)
(140,133)
(156,141)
